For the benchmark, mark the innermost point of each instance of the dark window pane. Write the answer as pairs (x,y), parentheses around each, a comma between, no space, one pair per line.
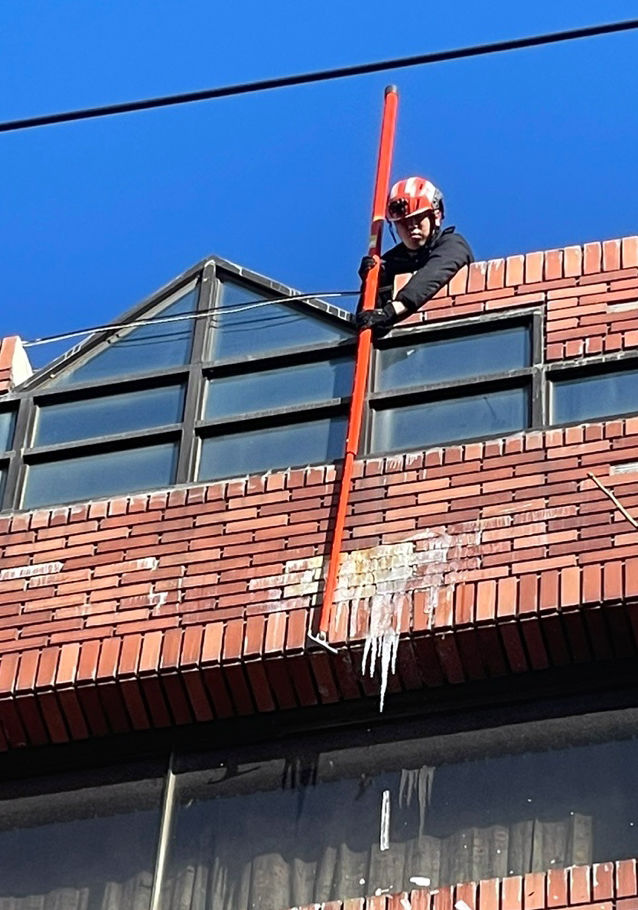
(108,415)
(142,350)
(586,397)
(80,849)
(454,357)
(270,327)
(7,424)
(3,478)
(103,474)
(432,422)
(267,389)
(259,450)
(308,829)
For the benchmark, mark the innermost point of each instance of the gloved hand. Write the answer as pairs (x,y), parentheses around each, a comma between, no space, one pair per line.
(378,319)
(367,263)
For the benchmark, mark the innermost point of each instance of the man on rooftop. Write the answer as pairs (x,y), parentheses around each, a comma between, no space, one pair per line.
(433,256)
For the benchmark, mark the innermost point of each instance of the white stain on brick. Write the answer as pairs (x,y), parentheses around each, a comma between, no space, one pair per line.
(157,599)
(628,467)
(43,568)
(148,562)
(374,584)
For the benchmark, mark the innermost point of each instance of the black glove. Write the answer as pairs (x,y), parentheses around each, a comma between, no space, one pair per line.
(367,263)
(378,319)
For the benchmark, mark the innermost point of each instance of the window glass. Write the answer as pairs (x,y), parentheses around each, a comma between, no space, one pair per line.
(101,474)
(597,395)
(108,415)
(321,827)
(7,423)
(453,357)
(265,448)
(89,849)
(489,413)
(3,478)
(143,349)
(268,389)
(239,332)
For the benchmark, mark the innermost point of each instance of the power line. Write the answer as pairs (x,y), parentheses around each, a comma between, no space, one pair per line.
(364,69)
(180,317)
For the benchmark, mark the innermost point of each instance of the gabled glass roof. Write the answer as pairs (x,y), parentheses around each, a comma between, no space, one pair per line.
(242,324)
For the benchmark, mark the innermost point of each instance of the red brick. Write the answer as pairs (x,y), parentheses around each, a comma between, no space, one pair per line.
(72,713)
(176,698)
(514,270)
(626,883)
(513,645)
(534,891)
(593,258)
(512,893)
(449,657)
(580,884)
(629,252)
(611,255)
(603,881)
(553,265)
(557,888)
(29,713)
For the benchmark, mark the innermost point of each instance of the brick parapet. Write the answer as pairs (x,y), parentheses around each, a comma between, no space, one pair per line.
(485,559)
(600,886)
(476,560)
(589,295)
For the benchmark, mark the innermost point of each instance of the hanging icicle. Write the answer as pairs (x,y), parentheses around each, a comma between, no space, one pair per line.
(382,640)
(419,781)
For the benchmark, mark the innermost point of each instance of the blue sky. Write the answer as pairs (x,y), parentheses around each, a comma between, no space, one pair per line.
(533,149)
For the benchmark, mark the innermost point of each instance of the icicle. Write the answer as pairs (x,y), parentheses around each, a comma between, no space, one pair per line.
(382,640)
(384,835)
(419,780)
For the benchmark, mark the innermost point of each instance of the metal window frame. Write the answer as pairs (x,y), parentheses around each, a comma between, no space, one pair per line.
(193,374)
(196,373)
(583,368)
(450,389)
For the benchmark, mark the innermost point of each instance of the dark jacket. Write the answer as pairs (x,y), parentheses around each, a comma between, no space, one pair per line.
(433,266)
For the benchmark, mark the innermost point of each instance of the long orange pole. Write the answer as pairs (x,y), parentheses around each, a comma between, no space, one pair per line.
(364,343)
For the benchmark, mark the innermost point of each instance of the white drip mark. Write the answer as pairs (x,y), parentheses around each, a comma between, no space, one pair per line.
(382,640)
(461,905)
(384,835)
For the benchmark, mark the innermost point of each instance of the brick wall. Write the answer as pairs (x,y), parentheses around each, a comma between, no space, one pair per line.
(464,562)
(603,886)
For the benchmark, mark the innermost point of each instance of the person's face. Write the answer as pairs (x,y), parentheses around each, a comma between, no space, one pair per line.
(415,230)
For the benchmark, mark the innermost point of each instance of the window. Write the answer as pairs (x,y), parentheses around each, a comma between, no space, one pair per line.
(105,473)
(587,395)
(108,414)
(258,415)
(80,844)
(245,385)
(245,324)
(145,348)
(305,819)
(439,386)
(263,448)
(394,815)
(7,425)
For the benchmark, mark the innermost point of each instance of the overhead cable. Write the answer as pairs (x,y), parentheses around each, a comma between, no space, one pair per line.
(343,72)
(180,317)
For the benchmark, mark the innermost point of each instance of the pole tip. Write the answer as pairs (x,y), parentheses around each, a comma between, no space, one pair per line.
(391,89)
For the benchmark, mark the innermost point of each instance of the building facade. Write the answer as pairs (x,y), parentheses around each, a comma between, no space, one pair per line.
(171,738)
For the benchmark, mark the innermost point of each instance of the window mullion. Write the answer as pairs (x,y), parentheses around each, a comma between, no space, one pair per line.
(208,297)
(17,471)
(163,840)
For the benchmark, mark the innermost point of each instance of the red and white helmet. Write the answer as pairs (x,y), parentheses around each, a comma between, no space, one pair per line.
(412,196)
